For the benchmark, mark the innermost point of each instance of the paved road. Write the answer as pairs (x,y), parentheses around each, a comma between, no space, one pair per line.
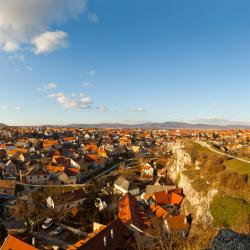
(205,144)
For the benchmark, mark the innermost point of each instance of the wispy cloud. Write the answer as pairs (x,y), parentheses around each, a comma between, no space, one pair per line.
(92,17)
(29,69)
(48,86)
(91,72)
(87,84)
(4,107)
(102,108)
(7,108)
(67,101)
(212,104)
(137,109)
(17,57)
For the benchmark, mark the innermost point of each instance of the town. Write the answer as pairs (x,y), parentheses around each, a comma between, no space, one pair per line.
(72,188)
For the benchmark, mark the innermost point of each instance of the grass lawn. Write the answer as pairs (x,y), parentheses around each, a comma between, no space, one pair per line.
(238,166)
(230,212)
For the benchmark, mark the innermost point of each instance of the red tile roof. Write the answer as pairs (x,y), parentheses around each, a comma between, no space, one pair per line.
(158,210)
(175,198)
(131,213)
(12,243)
(161,197)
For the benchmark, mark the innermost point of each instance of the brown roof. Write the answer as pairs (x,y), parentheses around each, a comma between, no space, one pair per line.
(177,223)
(69,196)
(161,197)
(7,184)
(115,236)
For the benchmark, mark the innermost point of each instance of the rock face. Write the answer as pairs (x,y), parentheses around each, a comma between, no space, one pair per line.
(230,240)
(195,203)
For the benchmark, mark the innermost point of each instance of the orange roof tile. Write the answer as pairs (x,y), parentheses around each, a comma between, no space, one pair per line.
(161,197)
(176,198)
(12,243)
(7,184)
(55,169)
(131,213)
(177,223)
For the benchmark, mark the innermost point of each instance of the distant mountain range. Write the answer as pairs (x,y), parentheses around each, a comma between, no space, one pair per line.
(149,125)
(164,125)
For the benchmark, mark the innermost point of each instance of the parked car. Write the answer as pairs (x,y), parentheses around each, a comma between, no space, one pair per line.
(47,223)
(58,230)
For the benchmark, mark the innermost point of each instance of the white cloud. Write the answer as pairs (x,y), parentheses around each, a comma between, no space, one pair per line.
(91,72)
(213,104)
(92,17)
(17,57)
(48,86)
(50,41)
(137,109)
(68,102)
(84,102)
(102,108)
(10,47)
(5,107)
(30,69)
(87,84)
(23,20)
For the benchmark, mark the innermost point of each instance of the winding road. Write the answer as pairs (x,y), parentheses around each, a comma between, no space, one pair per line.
(205,144)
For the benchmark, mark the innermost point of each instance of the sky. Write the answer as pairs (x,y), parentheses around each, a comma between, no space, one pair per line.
(127,61)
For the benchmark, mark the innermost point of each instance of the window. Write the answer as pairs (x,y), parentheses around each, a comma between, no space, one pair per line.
(45,176)
(38,177)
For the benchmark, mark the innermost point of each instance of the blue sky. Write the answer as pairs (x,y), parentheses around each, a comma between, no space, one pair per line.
(124,61)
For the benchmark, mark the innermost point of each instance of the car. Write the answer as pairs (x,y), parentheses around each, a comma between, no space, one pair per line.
(47,223)
(58,230)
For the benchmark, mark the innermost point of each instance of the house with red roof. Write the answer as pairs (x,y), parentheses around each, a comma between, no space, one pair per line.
(13,243)
(113,236)
(132,214)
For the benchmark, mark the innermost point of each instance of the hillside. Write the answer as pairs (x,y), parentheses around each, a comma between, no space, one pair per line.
(164,125)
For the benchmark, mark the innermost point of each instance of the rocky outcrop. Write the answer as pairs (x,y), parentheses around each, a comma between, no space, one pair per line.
(195,203)
(230,240)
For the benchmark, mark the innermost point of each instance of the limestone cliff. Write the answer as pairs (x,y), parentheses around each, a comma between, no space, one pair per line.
(195,203)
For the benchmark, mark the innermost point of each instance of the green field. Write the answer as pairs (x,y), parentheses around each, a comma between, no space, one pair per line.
(231,164)
(230,212)
(238,166)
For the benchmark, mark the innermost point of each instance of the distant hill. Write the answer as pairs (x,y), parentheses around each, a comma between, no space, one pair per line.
(3,125)
(164,125)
